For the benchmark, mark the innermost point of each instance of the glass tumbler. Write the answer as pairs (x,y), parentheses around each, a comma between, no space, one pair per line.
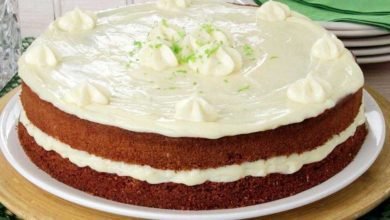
(10,40)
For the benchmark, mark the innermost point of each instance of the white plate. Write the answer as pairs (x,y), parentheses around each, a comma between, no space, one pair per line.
(369,51)
(367,41)
(359,33)
(15,155)
(244,2)
(332,25)
(373,59)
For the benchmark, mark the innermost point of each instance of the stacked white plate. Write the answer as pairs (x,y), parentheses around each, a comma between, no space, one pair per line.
(368,43)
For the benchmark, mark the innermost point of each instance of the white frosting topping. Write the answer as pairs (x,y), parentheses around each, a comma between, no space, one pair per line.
(206,51)
(216,59)
(309,90)
(86,94)
(76,20)
(208,33)
(173,4)
(328,47)
(279,164)
(166,31)
(157,55)
(252,98)
(273,11)
(195,108)
(40,56)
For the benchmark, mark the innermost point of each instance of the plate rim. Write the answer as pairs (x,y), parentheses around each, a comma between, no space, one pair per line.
(359,33)
(373,41)
(145,212)
(343,25)
(373,58)
(371,51)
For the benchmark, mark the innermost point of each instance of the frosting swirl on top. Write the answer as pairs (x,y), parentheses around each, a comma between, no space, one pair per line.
(86,94)
(166,31)
(157,55)
(328,47)
(215,59)
(273,11)
(206,50)
(208,33)
(309,90)
(40,56)
(76,20)
(173,4)
(195,109)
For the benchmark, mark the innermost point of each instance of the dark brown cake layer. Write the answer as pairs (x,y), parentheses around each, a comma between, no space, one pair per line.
(244,192)
(187,153)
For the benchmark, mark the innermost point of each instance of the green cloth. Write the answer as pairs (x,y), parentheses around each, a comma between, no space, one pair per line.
(372,7)
(343,10)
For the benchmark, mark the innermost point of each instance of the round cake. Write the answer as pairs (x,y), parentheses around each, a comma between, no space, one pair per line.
(190,105)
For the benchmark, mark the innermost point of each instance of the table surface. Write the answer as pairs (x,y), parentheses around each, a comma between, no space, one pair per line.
(377,76)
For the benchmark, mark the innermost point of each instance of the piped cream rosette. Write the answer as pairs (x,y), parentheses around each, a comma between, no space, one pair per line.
(208,50)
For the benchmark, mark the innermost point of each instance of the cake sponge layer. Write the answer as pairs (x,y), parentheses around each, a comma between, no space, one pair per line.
(188,153)
(244,192)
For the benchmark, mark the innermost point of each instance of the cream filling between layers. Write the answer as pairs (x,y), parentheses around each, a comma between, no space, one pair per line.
(280,164)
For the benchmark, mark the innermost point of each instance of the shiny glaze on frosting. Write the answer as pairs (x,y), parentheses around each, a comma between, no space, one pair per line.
(275,55)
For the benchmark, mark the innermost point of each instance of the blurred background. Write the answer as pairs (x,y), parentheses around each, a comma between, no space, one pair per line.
(35,16)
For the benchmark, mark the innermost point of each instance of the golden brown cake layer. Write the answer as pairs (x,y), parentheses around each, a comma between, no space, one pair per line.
(187,153)
(244,192)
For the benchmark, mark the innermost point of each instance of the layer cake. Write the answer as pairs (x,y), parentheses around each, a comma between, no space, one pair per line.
(190,104)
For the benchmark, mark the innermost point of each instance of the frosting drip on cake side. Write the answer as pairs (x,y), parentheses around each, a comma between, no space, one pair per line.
(241,62)
(280,164)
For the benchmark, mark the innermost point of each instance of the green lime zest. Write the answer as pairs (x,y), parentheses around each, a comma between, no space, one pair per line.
(181,71)
(137,44)
(209,28)
(187,59)
(248,50)
(164,22)
(212,50)
(176,48)
(182,33)
(243,88)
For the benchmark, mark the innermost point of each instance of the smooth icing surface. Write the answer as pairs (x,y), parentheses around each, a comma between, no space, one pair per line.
(249,94)
(280,164)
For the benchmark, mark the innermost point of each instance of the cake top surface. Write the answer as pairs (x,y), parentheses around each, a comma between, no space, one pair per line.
(190,69)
